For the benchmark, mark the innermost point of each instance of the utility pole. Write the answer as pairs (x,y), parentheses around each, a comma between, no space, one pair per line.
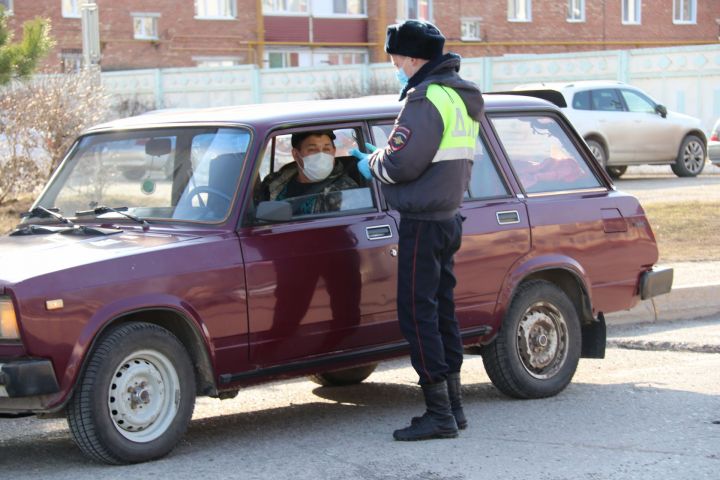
(89,20)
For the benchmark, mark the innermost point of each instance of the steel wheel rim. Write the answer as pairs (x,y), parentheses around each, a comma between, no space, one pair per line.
(143,396)
(542,340)
(693,157)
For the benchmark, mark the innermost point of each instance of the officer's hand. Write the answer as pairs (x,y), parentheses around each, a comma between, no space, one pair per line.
(363,165)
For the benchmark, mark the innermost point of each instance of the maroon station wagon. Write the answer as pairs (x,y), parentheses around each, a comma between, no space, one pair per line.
(123,299)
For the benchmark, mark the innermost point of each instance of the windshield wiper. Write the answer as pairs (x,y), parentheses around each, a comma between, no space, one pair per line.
(99,210)
(42,212)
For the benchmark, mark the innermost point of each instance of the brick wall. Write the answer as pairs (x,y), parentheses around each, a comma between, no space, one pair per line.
(183,38)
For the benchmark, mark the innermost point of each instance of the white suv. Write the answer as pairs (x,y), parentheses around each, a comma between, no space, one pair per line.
(623,126)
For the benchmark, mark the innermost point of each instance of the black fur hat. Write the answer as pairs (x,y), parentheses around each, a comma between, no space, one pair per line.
(414,38)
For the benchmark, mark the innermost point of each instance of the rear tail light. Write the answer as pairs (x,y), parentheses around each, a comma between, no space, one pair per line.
(714,137)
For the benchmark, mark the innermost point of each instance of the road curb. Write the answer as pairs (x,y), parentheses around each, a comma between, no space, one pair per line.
(682,303)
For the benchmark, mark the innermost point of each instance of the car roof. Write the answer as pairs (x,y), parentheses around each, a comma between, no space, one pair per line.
(296,112)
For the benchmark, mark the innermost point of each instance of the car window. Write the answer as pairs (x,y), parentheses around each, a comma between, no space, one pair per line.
(606,99)
(180,174)
(637,102)
(542,155)
(485,182)
(343,191)
(581,101)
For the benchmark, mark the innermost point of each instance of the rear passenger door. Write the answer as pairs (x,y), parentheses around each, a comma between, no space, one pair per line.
(496,232)
(615,123)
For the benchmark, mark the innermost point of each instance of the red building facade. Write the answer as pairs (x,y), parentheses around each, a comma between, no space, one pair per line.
(309,33)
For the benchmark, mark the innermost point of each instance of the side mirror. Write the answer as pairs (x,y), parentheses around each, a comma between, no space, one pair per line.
(661,110)
(274,211)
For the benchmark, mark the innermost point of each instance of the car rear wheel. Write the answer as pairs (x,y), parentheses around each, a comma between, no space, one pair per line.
(136,396)
(537,350)
(347,376)
(691,158)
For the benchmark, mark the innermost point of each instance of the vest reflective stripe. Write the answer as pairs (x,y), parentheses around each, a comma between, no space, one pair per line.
(460,130)
(454,154)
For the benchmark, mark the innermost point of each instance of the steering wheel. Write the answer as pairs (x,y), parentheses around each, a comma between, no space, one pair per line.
(195,192)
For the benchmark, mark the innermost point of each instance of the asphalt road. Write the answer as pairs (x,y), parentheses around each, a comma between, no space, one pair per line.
(634,415)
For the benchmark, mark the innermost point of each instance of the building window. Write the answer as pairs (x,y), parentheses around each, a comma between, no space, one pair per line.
(470,29)
(285,6)
(339,57)
(685,11)
(347,7)
(214,62)
(519,10)
(71,8)
(215,9)
(576,11)
(145,26)
(71,60)
(8,4)
(282,59)
(631,12)
(415,9)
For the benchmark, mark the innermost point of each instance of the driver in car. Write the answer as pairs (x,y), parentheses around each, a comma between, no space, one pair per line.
(307,182)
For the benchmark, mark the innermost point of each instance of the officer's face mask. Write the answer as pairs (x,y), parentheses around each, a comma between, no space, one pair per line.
(401,76)
(318,166)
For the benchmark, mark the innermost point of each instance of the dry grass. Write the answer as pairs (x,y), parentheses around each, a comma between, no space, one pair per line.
(10,213)
(685,231)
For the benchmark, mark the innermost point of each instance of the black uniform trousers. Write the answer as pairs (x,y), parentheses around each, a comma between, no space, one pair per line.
(426,307)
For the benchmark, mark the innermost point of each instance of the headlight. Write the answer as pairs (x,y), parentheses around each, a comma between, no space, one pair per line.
(8,322)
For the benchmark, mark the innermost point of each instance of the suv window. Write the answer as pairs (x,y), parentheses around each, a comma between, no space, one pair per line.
(581,101)
(637,102)
(542,155)
(345,191)
(606,99)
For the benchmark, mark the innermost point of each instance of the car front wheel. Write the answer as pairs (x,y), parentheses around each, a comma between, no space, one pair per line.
(537,350)
(691,157)
(136,396)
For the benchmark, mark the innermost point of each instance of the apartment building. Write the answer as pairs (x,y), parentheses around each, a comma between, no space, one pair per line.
(306,33)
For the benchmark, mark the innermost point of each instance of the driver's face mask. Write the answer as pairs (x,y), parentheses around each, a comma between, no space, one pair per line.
(318,166)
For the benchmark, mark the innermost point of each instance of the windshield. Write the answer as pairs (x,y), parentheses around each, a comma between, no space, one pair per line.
(180,174)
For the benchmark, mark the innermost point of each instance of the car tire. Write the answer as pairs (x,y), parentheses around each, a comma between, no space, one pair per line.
(691,157)
(346,376)
(537,350)
(616,172)
(135,397)
(598,151)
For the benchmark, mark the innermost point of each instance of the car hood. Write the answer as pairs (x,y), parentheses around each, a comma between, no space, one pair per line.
(684,119)
(27,256)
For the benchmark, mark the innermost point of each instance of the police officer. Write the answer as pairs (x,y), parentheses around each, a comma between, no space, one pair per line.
(424,171)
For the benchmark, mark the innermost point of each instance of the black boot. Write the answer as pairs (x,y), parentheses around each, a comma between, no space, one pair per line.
(438,421)
(453,383)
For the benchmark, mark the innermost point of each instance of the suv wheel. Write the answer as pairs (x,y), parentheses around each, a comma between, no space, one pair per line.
(347,376)
(691,157)
(136,396)
(538,347)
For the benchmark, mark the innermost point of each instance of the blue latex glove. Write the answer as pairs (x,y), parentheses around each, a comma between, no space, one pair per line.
(363,164)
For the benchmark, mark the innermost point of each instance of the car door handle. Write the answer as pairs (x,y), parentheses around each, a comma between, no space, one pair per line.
(379,232)
(507,217)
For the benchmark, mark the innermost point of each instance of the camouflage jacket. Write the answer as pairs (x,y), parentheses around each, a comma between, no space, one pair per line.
(316,199)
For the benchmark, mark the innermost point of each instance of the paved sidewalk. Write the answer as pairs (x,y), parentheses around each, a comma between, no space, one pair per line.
(700,336)
(695,294)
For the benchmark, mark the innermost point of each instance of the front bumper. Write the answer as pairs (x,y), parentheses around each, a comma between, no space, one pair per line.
(27,377)
(657,281)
